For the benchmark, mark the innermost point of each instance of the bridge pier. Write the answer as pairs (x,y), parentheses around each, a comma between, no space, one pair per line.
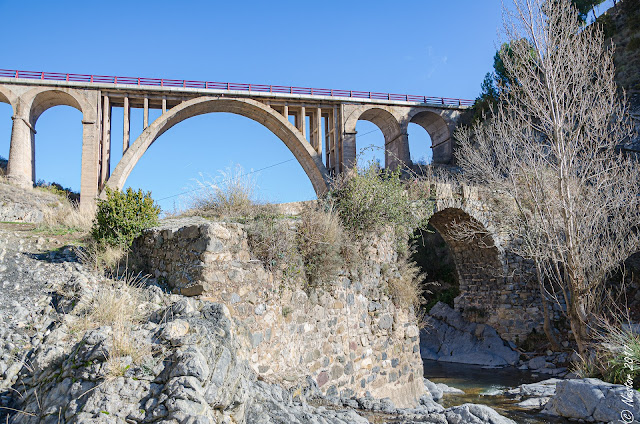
(348,153)
(21,169)
(396,152)
(89,177)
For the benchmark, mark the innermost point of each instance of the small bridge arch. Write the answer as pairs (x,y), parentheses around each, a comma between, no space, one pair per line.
(439,130)
(497,287)
(387,119)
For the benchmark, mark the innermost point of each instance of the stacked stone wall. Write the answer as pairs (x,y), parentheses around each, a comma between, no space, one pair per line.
(348,336)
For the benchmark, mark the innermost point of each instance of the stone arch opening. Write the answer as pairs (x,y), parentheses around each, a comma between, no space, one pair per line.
(57,147)
(310,161)
(439,133)
(477,260)
(395,145)
(370,144)
(419,145)
(48,99)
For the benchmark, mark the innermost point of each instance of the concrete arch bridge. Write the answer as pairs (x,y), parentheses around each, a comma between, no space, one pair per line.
(325,146)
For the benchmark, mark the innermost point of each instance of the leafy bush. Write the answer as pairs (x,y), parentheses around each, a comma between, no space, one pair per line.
(616,356)
(370,199)
(58,190)
(121,217)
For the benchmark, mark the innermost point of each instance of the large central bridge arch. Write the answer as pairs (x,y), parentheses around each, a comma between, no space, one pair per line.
(308,158)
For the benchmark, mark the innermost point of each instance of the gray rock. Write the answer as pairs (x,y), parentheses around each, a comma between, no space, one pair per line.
(470,413)
(435,391)
(544,388)
(449,338)
(533,403)
(538,362)
(591,399)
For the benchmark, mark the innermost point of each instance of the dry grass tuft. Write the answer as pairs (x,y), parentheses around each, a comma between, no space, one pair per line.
(320,242)
(67,215)
(119,305)
(102,258)
(231,194)
(616,355)
(406,285)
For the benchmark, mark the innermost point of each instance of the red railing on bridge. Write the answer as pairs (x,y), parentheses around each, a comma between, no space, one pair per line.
(212,85)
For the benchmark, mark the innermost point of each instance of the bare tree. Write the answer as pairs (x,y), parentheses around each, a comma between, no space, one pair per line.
(548,156)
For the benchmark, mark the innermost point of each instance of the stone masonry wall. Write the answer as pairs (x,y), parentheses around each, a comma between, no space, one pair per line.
(350,338)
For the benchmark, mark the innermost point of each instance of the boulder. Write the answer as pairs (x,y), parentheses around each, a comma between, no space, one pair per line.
(437,390)
(471,413)
(449,338)
(591,399)
(546,388)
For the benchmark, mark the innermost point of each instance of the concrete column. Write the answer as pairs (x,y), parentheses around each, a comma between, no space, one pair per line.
(327,141)
(286,112)
(89,177)
(106,142)
(20,168)
(338,138)
(146,113)
(318,131)
(126,127)
(164,104)
(396,152)
(442,151)
(348,151)
(303,121)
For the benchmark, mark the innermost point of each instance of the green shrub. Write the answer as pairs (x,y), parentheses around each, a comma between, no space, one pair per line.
(59,190)
(121,217)
(370,199)
(615,358)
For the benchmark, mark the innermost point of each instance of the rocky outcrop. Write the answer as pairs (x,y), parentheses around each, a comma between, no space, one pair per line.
(25,205)
(593,400)
(448,337)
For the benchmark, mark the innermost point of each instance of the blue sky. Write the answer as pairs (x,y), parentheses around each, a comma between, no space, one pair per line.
(427,47)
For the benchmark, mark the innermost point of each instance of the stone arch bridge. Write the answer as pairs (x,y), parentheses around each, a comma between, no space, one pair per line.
(324,146)
(497,287)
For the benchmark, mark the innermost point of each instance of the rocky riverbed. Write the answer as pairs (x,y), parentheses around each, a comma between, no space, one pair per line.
(56,367)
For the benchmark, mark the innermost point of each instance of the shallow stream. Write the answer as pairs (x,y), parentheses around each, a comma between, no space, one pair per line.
(478,383)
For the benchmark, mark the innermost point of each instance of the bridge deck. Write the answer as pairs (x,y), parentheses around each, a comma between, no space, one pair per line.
(178,88)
